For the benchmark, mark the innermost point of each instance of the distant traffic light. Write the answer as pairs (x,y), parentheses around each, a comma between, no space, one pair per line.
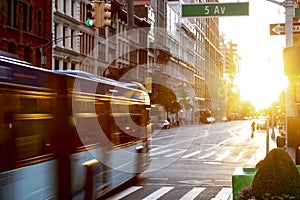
(91,14)
(104,15)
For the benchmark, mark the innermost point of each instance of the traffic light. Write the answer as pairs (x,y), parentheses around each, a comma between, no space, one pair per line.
(291,60)
(91,9)
(104,15)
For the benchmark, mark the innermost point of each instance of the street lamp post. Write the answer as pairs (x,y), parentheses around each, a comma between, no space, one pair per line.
(46,46)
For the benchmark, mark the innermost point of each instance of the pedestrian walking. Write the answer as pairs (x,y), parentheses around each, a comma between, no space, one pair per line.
(252,128)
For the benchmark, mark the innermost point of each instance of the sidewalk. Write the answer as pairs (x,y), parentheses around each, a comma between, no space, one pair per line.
(263,143)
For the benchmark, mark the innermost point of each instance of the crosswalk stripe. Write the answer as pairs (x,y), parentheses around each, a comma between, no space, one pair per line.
(160,152)
(238,158)
(193,193)
(251,161)
(224,155)
(191,154)
(207,155)
(174,154)
(153,149)
(223,194)
(242,139)
(125,193)
(158,193)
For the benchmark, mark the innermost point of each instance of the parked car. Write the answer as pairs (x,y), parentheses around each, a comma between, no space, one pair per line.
(210,120)
(225,119)
(261,123)
(164,124)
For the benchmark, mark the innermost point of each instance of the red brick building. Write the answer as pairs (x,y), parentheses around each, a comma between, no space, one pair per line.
(24,27)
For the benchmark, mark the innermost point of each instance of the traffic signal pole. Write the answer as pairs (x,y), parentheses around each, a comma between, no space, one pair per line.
(291,108)
(289,15)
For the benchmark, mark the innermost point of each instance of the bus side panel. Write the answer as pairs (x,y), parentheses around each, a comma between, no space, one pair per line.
(31,182)
(123,165)
(80,164)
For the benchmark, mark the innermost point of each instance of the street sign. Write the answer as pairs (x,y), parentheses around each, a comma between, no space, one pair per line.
(215,9)
(279,29)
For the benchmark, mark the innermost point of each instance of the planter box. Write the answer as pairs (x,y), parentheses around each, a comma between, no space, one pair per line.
(242,177)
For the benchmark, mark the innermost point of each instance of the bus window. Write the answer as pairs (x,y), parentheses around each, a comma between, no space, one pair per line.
(33,125)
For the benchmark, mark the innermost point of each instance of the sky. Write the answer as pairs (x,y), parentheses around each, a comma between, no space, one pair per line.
(262,78)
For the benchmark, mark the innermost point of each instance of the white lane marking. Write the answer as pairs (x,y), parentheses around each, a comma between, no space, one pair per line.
(158,193)
(193,193)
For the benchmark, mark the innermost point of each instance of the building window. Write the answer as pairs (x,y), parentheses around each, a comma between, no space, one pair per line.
(55,4)
(64,36)
(9,12)
(12,48)
(102,32)
(82,43)
(86,43)
(30,27)
(55,32)
(92,39)
(28,54)
(12,13)
(65,6)
(72,39)
(25,16)
(38,56)
(65,65)
(39,24)
(56,64)
(112,56)
(72,8)
(101,51)
(73,66)
(82,11)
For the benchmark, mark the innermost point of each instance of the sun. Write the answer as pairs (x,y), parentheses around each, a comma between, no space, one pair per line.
(261,84)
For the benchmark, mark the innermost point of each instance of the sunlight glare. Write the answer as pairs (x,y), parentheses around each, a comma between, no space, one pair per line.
(261,85)
(262,78)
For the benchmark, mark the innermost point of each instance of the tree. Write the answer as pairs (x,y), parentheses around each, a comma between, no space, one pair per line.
(165,97)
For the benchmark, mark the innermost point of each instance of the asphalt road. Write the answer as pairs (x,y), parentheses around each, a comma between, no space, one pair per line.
(197,161)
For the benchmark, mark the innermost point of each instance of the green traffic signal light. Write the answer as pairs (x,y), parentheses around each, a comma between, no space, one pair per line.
(89,22)
(91,9)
